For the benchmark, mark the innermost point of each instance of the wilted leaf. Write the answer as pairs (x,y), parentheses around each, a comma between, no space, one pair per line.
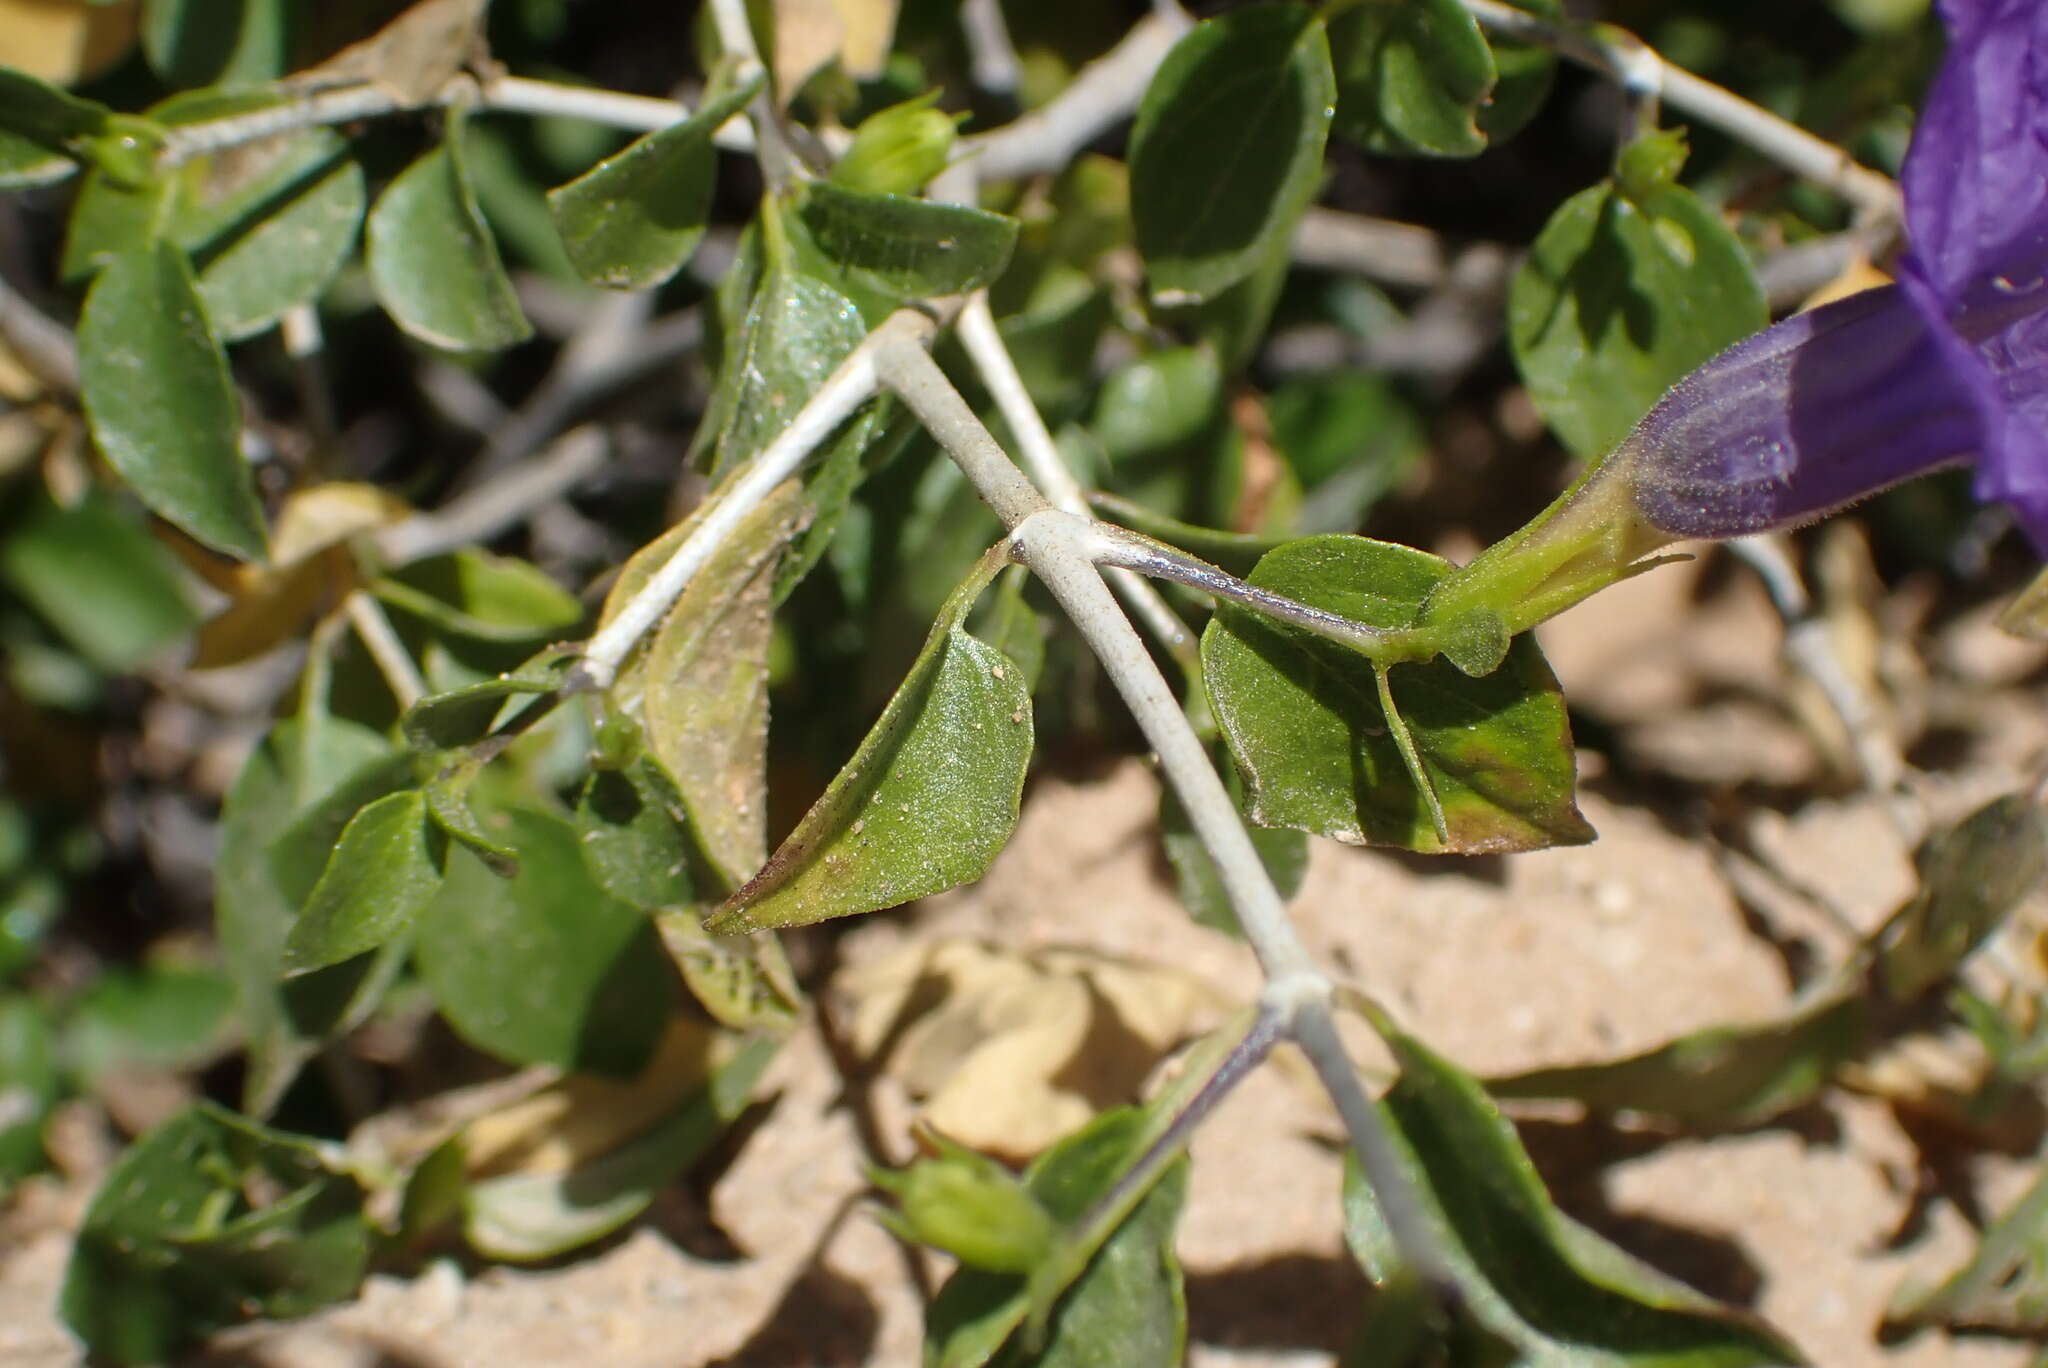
(1009,1051)
(1525,1271)
(2003,1286)
(1972,876)
(1228,147)
(1726,1076)
(1618,300)
(433,261)
(926,801)
(1128,1307)
(546,967)
(704,688)
(207,1220)
(160,403)
(1412,78)
(631,221)
(1304,722)
(414,56)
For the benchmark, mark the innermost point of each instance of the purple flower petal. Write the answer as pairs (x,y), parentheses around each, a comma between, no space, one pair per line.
(1976,175)
(1799,420)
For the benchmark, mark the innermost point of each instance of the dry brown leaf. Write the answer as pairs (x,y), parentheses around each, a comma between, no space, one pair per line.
(311,570)
(1008,1050)
(413,57)
(66,41)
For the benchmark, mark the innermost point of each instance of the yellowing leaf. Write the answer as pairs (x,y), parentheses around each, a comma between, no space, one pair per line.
(66,41)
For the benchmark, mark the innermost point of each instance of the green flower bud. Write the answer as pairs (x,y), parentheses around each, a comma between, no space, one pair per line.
(1651,163)
(970,1206)
(898,149)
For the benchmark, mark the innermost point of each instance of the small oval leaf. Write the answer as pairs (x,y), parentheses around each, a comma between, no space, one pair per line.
(158,398)
(432,259)
(1228,147)
(1304,722)
(386,867)
(904,247)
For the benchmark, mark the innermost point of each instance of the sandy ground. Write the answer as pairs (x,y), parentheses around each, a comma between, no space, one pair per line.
(1503,964)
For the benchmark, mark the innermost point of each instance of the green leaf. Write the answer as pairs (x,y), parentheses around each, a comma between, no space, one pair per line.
(907,248)
(161,1016)
(1525,72)
(433,262)
(630,820)
(1304,721)
(1618,300)
(1525,1271)
(385,869)
(280,237)
(481,597)
(298,790)
(2002,1287)
(43,114)
(98,578)
(112,218)
(207,1220)
(1973,876)
(540,1215)
(631,221)
(1158,402)
(459,717)
(204,43)
(1228,147)
(546,967)
(969,1205)
(1129,1305)
(796,332)
(1726,1076)
(1350,439)
(159,401)
(927,801)
(26,163)
(28,1061)
(897,150)
(704,688)
(1412,77)
(744,982)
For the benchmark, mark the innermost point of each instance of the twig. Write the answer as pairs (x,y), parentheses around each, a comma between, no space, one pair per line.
(845,390)
(1058,546)
(1812,652)
(485,512)
(991,56)
(1041,457)
(1105,92)
(771,146)
(401,676)
(1623,58)
(43,344)
(306,347)
(614,347)
(1380,249)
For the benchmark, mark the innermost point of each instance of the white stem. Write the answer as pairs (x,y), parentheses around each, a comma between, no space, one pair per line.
(852,384)
(504,503)
(771,148)
(1048,470)
(991,56)
(1106,92)
(1629,63)
(401,676)
(304,342)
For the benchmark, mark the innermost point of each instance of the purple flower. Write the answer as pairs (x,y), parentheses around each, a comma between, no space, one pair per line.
(1948,364)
